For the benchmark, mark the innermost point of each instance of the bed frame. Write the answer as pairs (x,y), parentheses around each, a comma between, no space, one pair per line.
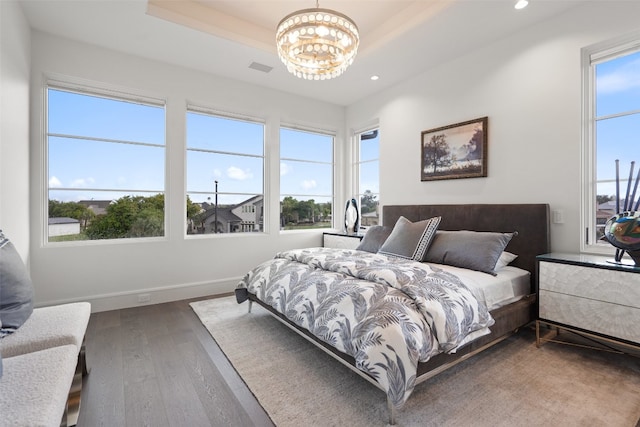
(531,221)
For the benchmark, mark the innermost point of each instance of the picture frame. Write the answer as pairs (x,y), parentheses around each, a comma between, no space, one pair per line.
(455,151)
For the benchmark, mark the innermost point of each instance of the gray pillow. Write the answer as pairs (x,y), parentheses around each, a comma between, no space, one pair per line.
(16,289)
(374,238)
(474,250)
(410,239)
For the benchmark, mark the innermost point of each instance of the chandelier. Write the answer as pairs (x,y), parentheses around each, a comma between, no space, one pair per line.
(317,44)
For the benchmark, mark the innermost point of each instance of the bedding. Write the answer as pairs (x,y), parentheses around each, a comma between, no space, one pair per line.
(508,285)
(387,312)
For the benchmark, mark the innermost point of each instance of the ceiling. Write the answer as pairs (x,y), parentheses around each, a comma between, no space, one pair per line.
(398,38)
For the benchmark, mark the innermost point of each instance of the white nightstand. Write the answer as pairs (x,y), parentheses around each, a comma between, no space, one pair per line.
(341,240)
(589,295)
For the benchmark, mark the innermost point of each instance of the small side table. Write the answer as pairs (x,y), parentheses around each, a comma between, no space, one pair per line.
(341,240)
(589,295)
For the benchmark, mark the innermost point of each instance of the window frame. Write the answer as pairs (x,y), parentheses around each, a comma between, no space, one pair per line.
(590,57)
(359,192)
(334,178)
(98,90)
(223,114)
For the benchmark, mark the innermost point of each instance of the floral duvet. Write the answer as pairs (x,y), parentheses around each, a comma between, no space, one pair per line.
(388,313)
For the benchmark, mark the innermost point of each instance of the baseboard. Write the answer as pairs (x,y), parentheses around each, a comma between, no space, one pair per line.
(149,296)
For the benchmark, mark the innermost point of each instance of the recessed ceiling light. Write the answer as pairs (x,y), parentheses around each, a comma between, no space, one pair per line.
(374,78)
(521,4)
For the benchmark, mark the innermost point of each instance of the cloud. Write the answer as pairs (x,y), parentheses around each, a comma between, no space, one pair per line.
(623,78)
(217,173)
(239,174)
(81,182)
(308,184)
(285,168)
(54,182)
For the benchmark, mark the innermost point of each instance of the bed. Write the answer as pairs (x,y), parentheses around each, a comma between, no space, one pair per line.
(398,318)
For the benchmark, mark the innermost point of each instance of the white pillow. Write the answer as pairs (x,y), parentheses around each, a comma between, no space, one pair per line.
(505,259)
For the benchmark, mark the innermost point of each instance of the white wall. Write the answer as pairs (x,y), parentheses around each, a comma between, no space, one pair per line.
(529,85)
(113,275)
(15,46)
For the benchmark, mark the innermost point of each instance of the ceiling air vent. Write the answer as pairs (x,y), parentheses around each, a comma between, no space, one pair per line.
(260,67)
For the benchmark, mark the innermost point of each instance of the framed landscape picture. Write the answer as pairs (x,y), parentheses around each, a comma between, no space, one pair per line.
(455,151)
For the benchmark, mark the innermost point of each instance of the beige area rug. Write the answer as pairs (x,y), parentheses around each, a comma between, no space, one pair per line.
(512,384)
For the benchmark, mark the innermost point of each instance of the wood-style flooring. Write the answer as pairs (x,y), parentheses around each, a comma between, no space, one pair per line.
(158,366)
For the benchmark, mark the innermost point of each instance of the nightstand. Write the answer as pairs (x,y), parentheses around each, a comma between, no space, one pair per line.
(589,295)
(341,240)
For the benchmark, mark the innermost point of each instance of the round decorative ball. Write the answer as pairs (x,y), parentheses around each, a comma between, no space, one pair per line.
(623,230)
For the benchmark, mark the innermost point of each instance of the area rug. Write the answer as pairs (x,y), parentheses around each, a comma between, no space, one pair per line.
(512,384)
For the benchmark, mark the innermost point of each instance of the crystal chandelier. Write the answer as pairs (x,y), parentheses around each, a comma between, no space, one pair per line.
(317,44)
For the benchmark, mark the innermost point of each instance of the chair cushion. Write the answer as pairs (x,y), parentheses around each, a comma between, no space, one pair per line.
(49,327)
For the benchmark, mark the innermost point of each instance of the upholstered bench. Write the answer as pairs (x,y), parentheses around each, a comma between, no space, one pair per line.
(42,359)
(47,328)
(35,386)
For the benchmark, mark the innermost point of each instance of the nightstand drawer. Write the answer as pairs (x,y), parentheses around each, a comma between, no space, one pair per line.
(611,286)
(341,241)
(614,320)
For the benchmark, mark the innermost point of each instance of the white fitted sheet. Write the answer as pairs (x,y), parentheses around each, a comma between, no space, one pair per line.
(509,285)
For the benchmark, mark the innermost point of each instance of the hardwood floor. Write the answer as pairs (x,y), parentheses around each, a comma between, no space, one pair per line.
(158,366)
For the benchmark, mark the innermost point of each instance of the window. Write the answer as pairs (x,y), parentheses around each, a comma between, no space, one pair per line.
(225,174)
(105,165)
(306,179)
(612,109)
(368,176)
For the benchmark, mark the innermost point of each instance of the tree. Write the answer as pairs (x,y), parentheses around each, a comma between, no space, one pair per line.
(368,202)
(193,209)
(437,153)
(290,210)
(148,222)
(116,222)
(130,216)
(600,199)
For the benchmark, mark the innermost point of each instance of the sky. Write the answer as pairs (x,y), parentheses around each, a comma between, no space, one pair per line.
(618,91)
(225,150)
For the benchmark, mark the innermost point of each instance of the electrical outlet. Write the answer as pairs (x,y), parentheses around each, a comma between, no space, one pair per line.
(558,216)
(144,298)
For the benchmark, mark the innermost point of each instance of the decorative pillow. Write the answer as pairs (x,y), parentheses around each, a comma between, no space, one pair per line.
(16,289)
(374,238)
(410,240)
(474,250)
(505,259)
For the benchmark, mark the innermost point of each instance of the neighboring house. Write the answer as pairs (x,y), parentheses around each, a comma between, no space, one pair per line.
(99,207)
(605,211)
(369,219)
(244,217)
(63,226)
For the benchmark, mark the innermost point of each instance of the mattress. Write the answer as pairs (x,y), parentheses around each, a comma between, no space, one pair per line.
(509,285)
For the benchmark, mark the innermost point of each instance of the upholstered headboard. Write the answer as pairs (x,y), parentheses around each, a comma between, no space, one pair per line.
(531,221)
